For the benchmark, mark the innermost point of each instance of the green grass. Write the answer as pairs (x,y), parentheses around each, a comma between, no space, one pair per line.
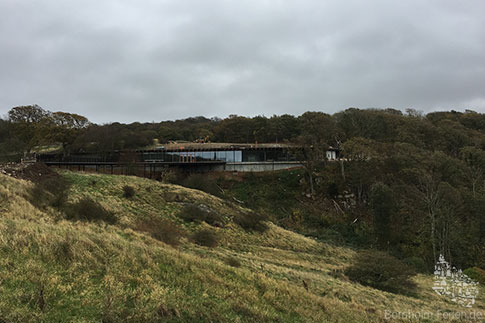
(55,270)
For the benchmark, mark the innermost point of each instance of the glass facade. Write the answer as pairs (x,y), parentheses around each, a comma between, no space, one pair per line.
(229,156)
(193,156)
(270,155)
(236,155)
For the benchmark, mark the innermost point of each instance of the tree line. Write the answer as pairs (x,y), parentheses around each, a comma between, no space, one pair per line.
(418,180)
(26,127)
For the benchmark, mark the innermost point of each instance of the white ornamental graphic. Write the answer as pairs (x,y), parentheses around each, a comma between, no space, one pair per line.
(454,284)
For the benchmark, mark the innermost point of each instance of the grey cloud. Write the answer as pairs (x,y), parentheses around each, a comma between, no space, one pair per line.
(155,60)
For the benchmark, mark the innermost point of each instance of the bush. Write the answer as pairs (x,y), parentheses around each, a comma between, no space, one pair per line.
(251,222)
(381,271)
(128,191)
(169,177)
(162,230)
(214,219)
(418,264)
(206,237)
(476,274)
(50,190)
(233,262)
(203,183)
(194,213)
(88,210)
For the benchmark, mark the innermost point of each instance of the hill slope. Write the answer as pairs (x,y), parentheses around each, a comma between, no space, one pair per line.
(53,269)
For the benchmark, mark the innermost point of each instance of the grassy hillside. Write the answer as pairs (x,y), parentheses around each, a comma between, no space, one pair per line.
(55,270)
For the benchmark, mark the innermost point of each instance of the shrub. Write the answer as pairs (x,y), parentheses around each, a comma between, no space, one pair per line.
(194,213)
(169,176)
(128,191)
(88,210)
(476,274)
(233,262)
(50,190)
(203,183)
(206,237)
(381,271)
(162,230)
(214,219)
(251,222)
(417,263)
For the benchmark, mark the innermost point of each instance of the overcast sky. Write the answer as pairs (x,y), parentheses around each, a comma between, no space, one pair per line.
(153,60)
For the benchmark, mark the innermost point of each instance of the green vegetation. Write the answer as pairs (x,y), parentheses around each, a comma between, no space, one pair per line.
(381,271)
(88,210)
(128,191)
(417,264)
(476,274)
(49,190)
(233,261)
(200,182)
(161,229)
(194,213)
(53,269)
(382,204)
(281,197)
(411,185)
(206,237)
(250,221)
(406,201)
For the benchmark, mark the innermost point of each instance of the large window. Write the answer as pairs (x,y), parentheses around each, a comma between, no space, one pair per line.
(192,156)
(253,156)
(234,156)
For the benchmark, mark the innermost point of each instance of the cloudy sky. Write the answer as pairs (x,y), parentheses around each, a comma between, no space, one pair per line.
(152,60)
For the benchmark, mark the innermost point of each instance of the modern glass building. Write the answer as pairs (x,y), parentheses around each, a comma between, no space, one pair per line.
(228,155)
(190,154)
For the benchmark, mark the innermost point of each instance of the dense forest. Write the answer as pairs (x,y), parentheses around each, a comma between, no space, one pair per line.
(415,182)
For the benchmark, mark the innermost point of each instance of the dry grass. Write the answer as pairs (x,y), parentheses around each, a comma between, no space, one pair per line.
(57,271)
